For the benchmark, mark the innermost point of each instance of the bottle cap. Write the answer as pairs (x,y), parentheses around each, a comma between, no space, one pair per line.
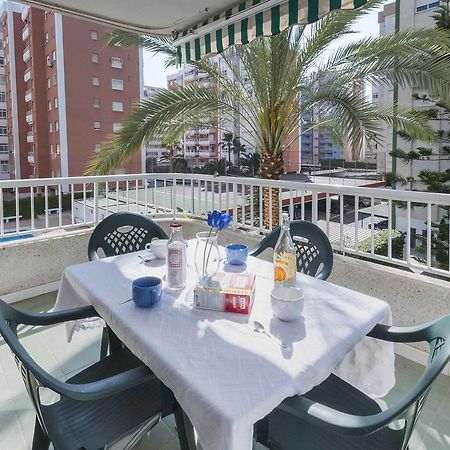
(176,225)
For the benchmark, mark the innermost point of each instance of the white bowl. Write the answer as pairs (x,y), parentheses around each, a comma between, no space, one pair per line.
(159,248)
(287,302)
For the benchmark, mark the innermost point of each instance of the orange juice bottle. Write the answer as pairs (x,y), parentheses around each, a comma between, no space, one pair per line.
(284,257)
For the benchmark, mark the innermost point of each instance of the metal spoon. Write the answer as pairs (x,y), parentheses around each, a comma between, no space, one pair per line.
(259,328)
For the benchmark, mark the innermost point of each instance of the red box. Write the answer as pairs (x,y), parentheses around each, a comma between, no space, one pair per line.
(234,292)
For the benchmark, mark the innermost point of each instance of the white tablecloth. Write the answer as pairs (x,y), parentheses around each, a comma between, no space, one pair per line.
(224,375)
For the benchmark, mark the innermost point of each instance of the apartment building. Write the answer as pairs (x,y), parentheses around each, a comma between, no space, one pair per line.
(202,144)
(66,93)
(4,149)
(413,13)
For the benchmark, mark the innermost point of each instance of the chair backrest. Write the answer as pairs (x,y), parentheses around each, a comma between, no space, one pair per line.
(438,336)
(123,232)
(314,252)
(32,374)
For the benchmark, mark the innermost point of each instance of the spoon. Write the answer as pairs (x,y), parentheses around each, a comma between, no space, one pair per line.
(259,328)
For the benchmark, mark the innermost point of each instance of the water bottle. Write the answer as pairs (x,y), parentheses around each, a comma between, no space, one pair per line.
(176,258)
(284,257)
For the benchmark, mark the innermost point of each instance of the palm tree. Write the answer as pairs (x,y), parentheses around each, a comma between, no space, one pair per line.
(227,144)
(277,80)
(174,147)
(250,162)
(238,149)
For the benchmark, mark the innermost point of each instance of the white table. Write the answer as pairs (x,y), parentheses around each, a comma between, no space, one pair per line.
(223,374)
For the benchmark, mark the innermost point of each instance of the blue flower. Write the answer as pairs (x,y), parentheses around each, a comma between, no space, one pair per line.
(218,220)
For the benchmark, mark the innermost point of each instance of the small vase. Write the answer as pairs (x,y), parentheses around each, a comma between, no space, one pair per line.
(207,257)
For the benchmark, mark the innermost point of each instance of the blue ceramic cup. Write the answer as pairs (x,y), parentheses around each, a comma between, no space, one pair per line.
(146,291)
(237,254)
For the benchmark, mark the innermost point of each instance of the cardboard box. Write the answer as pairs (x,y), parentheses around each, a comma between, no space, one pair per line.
(231,292)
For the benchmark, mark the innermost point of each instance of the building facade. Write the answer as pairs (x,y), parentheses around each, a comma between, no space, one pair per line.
(413,13)
(66,92)
(4,149)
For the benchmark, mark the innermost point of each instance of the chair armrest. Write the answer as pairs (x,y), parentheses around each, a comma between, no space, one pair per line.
(417,333)
(108,386)
(54,317)
(338,421)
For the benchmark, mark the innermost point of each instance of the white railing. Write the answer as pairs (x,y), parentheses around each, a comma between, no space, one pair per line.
(361,221)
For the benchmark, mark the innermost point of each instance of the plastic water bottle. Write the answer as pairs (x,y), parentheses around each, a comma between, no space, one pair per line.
(176,258)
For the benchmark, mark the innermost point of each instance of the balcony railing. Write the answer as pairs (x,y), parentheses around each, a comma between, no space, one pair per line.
(26,55)
(28,96)
(25,33)
(30,137)
(31,157)
(354,218)
(29,116)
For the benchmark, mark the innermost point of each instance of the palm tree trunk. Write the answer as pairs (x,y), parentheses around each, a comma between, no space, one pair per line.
(271,168)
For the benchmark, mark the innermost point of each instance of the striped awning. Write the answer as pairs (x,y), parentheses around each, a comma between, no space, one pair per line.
(249,20)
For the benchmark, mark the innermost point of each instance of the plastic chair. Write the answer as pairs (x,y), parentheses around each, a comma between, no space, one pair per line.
(106,401)
(121,233)
(117,234)
(337,415)
(314,252)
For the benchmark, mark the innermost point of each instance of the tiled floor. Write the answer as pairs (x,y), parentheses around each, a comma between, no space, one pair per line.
(50,349)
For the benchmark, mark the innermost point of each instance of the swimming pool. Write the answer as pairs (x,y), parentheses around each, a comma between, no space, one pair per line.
(15,238)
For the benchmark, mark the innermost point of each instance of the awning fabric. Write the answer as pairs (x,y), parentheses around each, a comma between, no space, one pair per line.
(249,20)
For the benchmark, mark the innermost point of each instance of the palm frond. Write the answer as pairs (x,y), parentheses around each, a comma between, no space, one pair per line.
(161,45)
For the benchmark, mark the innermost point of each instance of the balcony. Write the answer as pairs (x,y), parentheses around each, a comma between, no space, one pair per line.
(350,216)
(30,136)
(29,117)
(30,157)
(28,96)
(25,33)
(27,75)
(26,55)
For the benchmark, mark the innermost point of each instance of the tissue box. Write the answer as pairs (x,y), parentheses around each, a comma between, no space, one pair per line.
(231,292)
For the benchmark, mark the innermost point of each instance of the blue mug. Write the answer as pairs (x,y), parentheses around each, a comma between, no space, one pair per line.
(147,291)
(237,254)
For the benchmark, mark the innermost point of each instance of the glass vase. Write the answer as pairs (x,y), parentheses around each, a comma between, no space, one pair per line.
(207,257)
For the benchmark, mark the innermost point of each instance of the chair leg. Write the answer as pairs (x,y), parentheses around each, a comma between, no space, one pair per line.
(104,344)
(40,438)
(185,430)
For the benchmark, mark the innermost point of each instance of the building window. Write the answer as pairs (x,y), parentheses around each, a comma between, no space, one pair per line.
(50,127)
(97,126)
(117,127)
(3,131)
(55,102)
(116,62)
(2,79)
(2,61)
(3,97)
(55,80)
(117,106)
(49,105)
(56,126)
(94,58)
(51,149)
(421,8)
(58,149)
(54,56)
(2,113)
(4,166)
(45,15)
(117,85)
(49,82)
(94,35)
(433,5)
(95,81)
(98,147)
(96,103)
(46,38)
(4,149)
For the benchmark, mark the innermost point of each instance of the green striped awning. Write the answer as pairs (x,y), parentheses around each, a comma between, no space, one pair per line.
(250,19)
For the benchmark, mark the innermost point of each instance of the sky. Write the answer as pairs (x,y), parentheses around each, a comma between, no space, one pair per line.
(156,75)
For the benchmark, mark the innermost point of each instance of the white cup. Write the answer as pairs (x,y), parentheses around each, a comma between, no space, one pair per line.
(287,303)
(158,247)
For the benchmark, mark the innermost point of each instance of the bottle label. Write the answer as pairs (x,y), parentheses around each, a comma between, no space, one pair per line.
(285,269)
(176,265)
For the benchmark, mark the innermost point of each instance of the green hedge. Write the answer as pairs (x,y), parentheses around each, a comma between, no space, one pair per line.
(381,244)
(9,206)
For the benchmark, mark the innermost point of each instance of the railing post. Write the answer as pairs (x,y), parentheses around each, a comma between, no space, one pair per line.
(315,207)
(95,202)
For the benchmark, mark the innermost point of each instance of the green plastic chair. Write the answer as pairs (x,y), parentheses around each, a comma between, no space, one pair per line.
(335,415)
(314,252)
(117,234)
(123,232)
(114,398)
